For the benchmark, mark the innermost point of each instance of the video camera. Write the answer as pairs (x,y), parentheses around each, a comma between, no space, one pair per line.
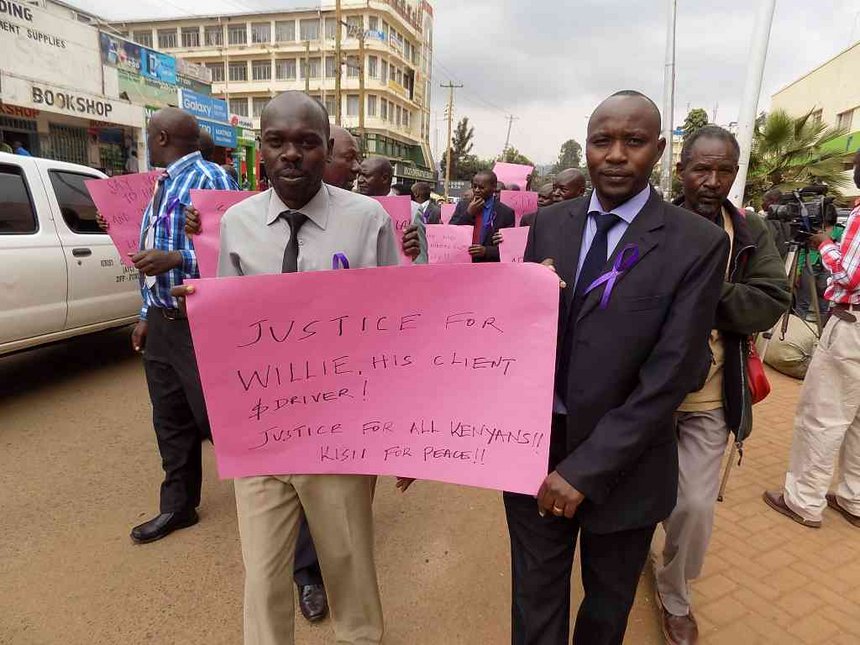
(806,211)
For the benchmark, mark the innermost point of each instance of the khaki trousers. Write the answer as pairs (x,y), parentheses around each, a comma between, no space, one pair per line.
(338,510)
(702,439)
(827,426)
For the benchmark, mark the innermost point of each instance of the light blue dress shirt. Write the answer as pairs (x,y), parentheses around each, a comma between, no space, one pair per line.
(626,212)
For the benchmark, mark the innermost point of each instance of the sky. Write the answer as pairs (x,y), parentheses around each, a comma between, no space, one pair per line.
(550,62)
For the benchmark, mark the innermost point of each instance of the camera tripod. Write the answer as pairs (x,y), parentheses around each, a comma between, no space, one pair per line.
(791,266)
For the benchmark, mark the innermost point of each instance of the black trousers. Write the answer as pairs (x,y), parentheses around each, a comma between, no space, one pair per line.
(542,551)
(181,425)
(178,409)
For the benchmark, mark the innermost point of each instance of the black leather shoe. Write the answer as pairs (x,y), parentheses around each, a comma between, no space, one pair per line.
(313,603)
(163,525)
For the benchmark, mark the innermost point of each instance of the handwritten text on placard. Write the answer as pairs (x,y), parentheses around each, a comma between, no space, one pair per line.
(449,244)
(326,372)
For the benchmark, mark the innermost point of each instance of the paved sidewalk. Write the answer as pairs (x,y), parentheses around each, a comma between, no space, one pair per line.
(767,579)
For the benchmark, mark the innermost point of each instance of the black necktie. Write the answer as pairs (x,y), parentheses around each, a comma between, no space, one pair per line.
(592,267)
(295,220)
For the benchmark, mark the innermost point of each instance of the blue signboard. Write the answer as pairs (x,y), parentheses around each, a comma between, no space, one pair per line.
(223,134)
(158,66)
(203,107)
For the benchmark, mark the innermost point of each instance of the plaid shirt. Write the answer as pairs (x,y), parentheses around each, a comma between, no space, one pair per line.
(183,175)
(843,262)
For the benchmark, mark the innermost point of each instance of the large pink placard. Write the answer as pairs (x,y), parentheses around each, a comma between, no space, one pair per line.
(399,209)
(440,372)
(449,244)
(212,204)
(513,173)
(447,211)
(121,201)
(513,246)
(522,202)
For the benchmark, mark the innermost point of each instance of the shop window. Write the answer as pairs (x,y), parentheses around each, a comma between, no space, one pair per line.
(309,29)
(76,206)
(142,37)
(190,37)
(213,36)
(261,32)
(239,106)
(261,70)
(17,216)
(285,31)
(238,71)
(167,39)
(217,70)
(258,104)
(237,34)
(68,144)
(285,69)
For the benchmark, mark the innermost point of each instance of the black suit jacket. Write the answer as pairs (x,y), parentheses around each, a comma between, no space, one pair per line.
(433,213)
(632,364)
(504,218)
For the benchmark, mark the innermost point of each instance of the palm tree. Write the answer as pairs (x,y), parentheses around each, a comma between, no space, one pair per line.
(791,152)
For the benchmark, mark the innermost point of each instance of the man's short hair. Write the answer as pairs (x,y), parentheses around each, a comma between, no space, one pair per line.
(708,132)
(640,95)
(489,174)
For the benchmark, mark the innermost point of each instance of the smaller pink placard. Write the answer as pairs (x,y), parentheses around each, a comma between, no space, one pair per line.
(522,202)
(448,244)
(212,204)
(399,209)
(447,212)
(121,201)
(513,245)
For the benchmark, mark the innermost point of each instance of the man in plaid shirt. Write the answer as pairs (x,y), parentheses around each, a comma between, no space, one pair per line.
(166,258)
(827,425)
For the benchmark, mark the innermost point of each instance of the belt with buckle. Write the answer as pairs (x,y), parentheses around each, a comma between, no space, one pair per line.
(843,311)
(172,314)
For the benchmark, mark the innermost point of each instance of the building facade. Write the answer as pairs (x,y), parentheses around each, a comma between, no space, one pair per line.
(385,67)
(831,91)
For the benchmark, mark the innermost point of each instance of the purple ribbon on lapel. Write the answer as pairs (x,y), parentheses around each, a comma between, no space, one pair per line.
(624,261)
(339,260)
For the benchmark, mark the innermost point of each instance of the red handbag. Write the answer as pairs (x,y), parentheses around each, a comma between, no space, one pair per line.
(756,378)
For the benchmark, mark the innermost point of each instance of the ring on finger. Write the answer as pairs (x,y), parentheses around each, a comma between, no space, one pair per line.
(557,511)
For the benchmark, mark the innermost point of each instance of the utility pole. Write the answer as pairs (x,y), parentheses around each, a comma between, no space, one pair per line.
(669,101)
(337,53)
(510,118)
(451,87)
(361,145)
(749,102)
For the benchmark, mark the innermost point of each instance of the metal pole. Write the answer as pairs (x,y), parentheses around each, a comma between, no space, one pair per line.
(450,87)
(511,118)
(669,100)
(749,102)
(361,137)
(337,19)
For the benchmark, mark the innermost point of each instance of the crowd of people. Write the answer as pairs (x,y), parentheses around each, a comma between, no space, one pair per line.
(649,388)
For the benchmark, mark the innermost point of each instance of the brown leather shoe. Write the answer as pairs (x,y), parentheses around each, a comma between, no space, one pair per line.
(776,501)
(680,630)
(832,503)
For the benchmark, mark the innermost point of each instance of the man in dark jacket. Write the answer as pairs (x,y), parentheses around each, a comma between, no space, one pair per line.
(487,214)
(754,295)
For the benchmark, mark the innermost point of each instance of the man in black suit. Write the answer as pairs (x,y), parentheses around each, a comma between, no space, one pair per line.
(629,351)
(421,195)
(486,213)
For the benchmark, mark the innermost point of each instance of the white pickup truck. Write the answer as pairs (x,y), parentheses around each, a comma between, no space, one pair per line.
(60,275)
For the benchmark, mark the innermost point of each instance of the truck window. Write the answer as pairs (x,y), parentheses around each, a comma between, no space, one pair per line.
(17,216)
(76,206)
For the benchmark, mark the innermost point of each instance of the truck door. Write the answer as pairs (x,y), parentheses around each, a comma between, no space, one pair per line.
(32,267)
(101,288)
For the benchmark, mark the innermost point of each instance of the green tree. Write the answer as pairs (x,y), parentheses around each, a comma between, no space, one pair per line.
(696,119)
(792,152)
(570,156)
(470,165)
(512,155)
(461,148)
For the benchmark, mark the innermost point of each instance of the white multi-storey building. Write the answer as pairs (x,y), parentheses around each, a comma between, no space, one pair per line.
(255,56)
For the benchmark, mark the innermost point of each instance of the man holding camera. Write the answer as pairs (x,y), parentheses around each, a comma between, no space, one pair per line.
(827,424)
